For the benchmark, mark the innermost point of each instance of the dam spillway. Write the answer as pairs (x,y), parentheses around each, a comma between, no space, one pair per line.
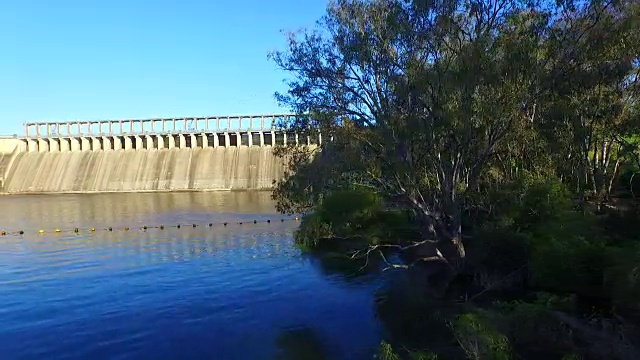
(134,159)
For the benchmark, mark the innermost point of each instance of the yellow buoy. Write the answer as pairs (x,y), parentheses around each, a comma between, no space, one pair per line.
(126,229)
(58,230)
(297,218)
(41,231)
(4,233)
(93,229)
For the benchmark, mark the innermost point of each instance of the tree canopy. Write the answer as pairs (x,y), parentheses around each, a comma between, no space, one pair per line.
(430,103)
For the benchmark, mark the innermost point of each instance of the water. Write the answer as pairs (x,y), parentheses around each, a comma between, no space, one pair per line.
(240,292)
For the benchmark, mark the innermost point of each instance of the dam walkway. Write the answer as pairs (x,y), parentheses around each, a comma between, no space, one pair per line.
(169,133)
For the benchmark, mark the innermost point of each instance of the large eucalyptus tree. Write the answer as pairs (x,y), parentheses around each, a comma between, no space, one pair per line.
(418,94)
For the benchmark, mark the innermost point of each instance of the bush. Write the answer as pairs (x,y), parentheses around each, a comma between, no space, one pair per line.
(533,331)
(348,211)
(312,228)
(386,352)
(390,226)
(628,183)
(355,214)
(622,226)
(499,250)
(622,278)
(479,339)
(570,265)
(532,202)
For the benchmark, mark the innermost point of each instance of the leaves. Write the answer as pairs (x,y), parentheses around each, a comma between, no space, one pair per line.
(433,102)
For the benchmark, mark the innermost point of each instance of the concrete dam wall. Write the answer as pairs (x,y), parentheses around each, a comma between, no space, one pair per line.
(197,154)
(220,168)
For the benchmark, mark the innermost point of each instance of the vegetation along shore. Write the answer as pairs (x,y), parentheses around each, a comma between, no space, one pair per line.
(484,165)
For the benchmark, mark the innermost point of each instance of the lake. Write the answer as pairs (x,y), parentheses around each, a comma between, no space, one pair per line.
(241,291)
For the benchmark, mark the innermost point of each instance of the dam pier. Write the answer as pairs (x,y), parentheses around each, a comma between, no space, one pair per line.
(176,154)
(257,130)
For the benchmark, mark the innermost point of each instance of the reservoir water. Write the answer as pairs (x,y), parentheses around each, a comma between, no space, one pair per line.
(243,291)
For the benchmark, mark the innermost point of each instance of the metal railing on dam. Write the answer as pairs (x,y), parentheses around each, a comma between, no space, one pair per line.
(168,133)
(156,126)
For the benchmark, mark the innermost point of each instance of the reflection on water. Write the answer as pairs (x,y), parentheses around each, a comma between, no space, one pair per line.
(219,293)
(25,212)
(298,344)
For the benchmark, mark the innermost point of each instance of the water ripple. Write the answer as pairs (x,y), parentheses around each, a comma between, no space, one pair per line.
(230,293)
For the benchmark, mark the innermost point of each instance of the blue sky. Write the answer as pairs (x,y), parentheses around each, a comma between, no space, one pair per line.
(69,60)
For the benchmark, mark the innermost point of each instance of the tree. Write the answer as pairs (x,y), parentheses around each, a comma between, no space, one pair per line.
(423,92)
(591,97)
(430,102)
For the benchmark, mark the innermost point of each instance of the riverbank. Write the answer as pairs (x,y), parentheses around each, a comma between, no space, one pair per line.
(542,279)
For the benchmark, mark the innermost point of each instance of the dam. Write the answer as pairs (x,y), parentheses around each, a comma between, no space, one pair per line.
(186,154)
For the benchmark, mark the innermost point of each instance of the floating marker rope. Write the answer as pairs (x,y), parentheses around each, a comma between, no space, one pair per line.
(78,230)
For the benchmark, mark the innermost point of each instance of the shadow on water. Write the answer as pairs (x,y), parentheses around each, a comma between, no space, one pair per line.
(410,319)
(300,343)
(336,265)
(413,321)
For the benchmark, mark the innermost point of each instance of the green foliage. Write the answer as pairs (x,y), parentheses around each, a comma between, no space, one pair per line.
(525,212)
(622,278)
(628,184)
(479,339)
(312,227)
(499,250)
(551,301)
(354,214)
(392,226)
(527,202)
(532,329)
(534,225)
(506,117)
(622,226)
(386,352)
(564,250)
(349,211)
(570,264)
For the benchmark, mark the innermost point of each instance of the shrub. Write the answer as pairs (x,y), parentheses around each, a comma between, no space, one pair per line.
(479,339)
(622,278)
(533,330)
(499,250)
(355,213)
(386,352)
(312,228)
(348,211)
(569,264)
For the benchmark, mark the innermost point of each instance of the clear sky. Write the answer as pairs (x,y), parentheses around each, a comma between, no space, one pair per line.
(69,60)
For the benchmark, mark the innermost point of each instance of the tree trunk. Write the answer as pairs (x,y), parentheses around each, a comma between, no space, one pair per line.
(448,236)
(451,246)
